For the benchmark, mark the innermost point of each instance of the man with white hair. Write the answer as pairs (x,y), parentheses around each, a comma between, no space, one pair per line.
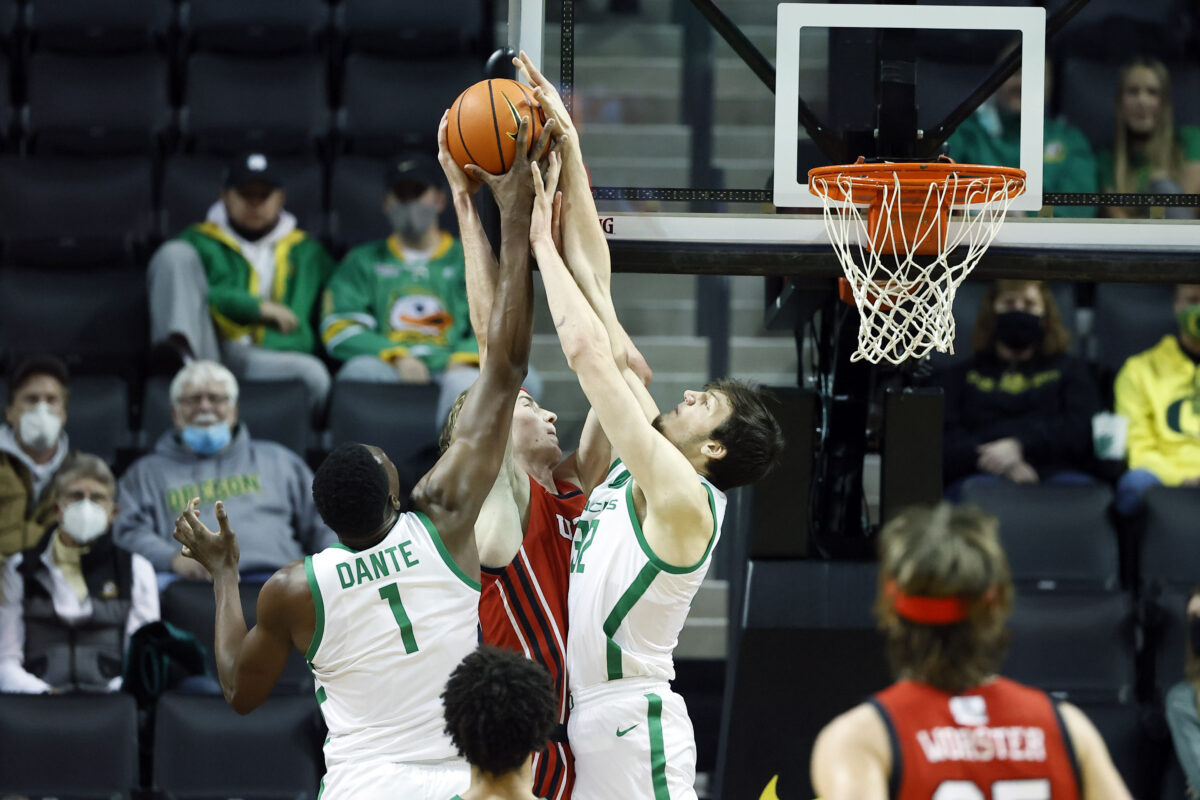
(212,456)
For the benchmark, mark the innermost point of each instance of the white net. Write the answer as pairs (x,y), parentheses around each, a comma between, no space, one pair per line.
(905,300)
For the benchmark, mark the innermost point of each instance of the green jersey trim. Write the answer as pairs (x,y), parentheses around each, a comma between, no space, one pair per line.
(612,466)
(318,606)
(441,548)
(658,752)
(620,611)
(650,554)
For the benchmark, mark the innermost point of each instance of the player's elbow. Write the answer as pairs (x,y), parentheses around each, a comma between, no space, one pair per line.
(583,352)
(240,702)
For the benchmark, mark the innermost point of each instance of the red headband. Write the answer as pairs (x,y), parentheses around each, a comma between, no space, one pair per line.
(926,610)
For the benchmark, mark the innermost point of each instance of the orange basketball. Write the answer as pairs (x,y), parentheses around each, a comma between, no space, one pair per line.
(484,121)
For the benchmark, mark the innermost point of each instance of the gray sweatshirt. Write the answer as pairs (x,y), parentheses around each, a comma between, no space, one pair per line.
(266,489)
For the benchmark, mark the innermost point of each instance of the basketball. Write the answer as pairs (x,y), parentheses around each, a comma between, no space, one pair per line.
(484,121)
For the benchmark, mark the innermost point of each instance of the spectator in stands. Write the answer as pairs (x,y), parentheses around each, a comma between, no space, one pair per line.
(396,309)
(210,455)
(1183,717)
(1021,408)
(992,135)
(1150,155)
(33,447)
(501,708)
(1158,392)
(261,276)
(69,604)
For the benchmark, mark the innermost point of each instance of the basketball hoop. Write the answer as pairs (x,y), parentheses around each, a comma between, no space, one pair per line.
(897,263)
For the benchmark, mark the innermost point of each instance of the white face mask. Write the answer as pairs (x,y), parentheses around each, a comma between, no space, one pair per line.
(85,521)
(39,427)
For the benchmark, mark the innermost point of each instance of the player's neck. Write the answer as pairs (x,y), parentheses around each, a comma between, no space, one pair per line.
(374,537)
(515,785)
(542,472)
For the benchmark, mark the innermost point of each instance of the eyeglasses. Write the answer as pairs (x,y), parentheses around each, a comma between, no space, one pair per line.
(192,400)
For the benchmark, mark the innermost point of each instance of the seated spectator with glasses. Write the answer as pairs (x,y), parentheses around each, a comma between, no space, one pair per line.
(212,456)
(69,604)
(255,272)
(33,447)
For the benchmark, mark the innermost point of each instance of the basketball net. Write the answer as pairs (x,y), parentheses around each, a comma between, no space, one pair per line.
(904,262)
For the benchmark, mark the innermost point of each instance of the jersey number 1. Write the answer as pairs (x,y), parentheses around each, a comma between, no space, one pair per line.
(1038,789)
(391,593)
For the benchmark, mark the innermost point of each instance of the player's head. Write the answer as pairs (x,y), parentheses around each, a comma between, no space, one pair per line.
(726,430)
(534,437)
(1021,315)
(945,594)
(500,709)
(357,491)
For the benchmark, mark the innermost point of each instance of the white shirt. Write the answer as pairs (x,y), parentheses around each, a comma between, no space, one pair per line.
(13,677)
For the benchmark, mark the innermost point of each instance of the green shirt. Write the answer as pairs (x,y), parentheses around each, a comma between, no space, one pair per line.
(380,303)
(990,137)
(1188,137)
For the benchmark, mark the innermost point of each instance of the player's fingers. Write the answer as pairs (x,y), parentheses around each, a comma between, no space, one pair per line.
(443,135)
(479,175)
(223,519)
(543,141)
(552,173)
(523,135)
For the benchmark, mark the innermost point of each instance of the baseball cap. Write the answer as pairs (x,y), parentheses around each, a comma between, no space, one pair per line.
(412,167)
(251,168)
(40,364)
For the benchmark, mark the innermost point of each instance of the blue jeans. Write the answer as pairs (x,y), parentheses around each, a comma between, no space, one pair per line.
(1066,477)
(1130,488)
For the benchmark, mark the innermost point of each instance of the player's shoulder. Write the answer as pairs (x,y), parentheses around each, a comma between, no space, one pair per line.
(861,729)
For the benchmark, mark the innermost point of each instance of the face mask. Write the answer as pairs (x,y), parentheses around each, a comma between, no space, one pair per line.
(1018,330)
(39,427)
(207,439)
(85,521)
(1189,321)
(411,220)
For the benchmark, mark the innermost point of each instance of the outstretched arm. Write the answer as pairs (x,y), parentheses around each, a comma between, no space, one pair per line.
(851,759)
(452,492)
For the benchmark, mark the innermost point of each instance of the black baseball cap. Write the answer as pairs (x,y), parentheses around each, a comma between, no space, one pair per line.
(251,168)
(413,167)
(41,364)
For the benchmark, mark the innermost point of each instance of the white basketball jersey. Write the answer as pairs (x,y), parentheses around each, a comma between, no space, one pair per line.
(393,621)
(626,605)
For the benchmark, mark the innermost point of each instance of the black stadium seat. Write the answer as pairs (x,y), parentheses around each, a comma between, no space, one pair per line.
(239,103)
(1087,92)
(71,746)
(390,106)
(1168,544)
(395,417)
(203,749)
(412,30)
(97,104)
(356,200)
(75,212)
(258,28)
(98,415)
(85,26)
(192,183)
(1130,318)
(1058,537)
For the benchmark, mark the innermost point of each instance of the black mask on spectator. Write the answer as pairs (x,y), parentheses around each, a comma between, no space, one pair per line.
(1018,330)
(1194,634)
(252,234)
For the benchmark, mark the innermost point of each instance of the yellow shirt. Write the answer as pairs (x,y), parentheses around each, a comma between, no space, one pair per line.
(68,561)
(1158,391)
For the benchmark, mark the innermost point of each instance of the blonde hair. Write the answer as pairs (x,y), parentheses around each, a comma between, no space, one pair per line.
(1056,339)
(1162,151)
(945,551)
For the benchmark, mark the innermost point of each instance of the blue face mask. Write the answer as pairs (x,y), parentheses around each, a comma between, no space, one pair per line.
(207,439)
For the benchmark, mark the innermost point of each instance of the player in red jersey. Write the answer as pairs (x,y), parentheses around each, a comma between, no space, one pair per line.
(951,729)
(525,528)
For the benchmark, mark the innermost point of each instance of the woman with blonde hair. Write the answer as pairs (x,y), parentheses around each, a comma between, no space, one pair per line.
(1150,155)
(1021,407)
(950,727)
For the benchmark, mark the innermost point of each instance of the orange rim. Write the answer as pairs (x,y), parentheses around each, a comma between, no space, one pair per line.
(869,181)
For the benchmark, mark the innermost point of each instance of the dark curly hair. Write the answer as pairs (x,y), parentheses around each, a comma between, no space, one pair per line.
(350,490)
(752,437)
(500,707)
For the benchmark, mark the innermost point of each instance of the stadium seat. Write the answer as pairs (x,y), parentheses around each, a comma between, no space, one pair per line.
(1128,319)
(277,411)
(6,104)
(192,183)
(74,745)
(1086,98)
(240,103)
(390,106)
(1168,544)
(106,105)
(203,749)
(1166,633)
(1078,643)
(258,28)
(1056,537)
(191,606)
(413,30)
(355,200)
(395,417)
(1185,87)
(95,320)
(85,26)
(98,416)
(49,214)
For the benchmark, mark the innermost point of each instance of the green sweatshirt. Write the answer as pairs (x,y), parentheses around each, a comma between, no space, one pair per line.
(1188,139)
(301,269)
(380,303)
(1068,165)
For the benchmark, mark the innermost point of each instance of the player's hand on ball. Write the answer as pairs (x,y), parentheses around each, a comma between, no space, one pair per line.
(547,96)
(217,552)
(460,182)
(512,190)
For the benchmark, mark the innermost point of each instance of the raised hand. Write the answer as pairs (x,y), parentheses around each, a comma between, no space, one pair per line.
(544,92)
(460,182)
(217,552)
(512,190)
(546,196)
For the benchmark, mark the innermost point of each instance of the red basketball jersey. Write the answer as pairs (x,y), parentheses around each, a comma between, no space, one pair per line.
(523,607)
(996,741)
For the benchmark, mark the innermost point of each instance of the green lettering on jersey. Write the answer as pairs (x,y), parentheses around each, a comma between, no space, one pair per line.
(587,533)
(362,573)
(409,560)
(345,576)
(391,551)
(381,567)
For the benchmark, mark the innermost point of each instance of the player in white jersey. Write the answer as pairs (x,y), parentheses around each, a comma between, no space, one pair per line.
(386,614)
(646,535)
